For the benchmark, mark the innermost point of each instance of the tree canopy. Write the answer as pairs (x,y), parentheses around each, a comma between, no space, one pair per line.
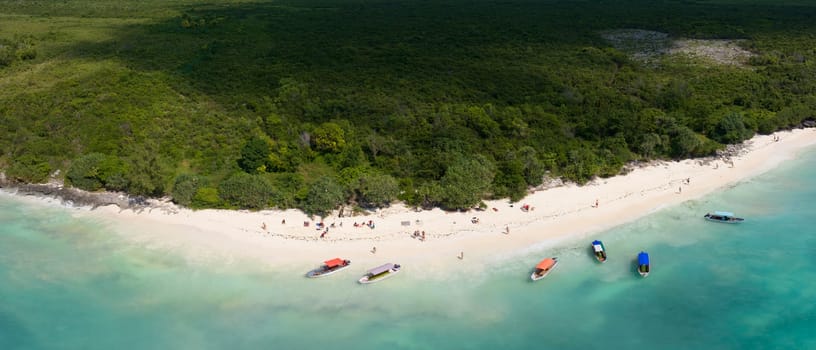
(317,104)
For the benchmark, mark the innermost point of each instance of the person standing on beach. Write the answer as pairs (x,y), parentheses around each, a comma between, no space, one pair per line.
(596,202)
(374,250)
(680,189)
(461,255)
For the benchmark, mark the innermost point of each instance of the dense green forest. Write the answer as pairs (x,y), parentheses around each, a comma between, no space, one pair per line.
(315,103)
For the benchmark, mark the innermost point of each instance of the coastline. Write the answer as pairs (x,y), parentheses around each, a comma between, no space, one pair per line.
(556,214)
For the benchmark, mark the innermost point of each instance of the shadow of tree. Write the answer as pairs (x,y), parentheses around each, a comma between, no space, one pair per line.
(416,51)
(362,59)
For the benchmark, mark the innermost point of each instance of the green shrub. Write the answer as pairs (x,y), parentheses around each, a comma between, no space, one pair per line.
(323,196)
(378,190)
(84,172)
(95,171)
(329,137)
(731,129)
(185,188)
(246,191)
(466,182)
(206,197)
(29,168)
(7,54)
(254,155)
(684,142)
(291,188)
(581,165)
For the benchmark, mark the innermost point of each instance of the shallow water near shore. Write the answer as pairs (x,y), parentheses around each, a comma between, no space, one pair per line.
(71,283)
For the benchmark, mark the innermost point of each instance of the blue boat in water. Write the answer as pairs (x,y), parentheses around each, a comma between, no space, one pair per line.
(723,216)
(599,250)
(643,264)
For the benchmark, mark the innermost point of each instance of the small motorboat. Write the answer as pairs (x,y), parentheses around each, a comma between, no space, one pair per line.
(379,273)
(643,264)
(724,217)
(599,250)
(543,268)
(329,267)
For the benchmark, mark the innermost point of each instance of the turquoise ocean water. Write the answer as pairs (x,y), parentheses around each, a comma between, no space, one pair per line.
(67,283)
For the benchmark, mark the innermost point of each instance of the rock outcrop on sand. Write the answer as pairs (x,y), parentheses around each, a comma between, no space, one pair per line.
(75,197)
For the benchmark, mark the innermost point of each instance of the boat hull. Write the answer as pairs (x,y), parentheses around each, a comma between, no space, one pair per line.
(535,277)
(644,270)
(734,221)
(729,219)
(319,272)
(366,280)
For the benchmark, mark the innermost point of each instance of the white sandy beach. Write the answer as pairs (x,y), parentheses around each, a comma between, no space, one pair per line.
(557,213)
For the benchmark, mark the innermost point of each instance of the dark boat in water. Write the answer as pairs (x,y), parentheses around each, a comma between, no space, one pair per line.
(724,217)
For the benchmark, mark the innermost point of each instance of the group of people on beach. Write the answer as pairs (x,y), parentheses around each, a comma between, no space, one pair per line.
(418,234)
(370,224)
(421,234)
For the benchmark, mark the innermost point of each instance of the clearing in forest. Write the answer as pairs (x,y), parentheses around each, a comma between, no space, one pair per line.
(649,46)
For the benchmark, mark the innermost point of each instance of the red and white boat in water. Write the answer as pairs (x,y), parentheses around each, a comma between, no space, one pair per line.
(329,267)
(543,268)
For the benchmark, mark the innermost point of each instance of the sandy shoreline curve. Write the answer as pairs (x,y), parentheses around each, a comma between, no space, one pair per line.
(554,214)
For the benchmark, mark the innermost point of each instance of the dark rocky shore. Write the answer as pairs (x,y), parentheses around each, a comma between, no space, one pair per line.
(75,197)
